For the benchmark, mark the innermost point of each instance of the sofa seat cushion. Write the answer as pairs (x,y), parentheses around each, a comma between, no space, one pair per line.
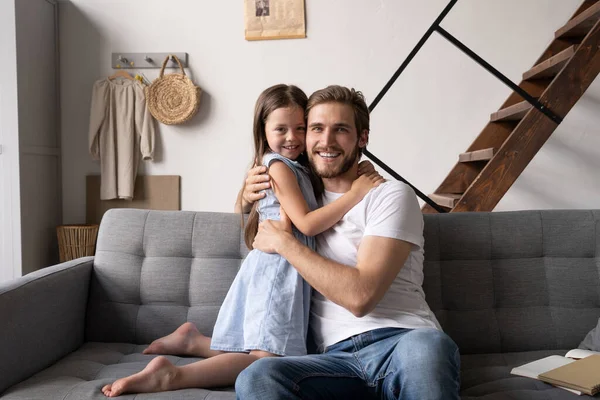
(487,377)
(82,374)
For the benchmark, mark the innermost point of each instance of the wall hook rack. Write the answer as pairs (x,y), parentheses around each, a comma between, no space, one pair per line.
(146,60)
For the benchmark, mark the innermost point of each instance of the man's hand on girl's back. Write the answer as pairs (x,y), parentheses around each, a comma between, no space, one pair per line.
(257,180)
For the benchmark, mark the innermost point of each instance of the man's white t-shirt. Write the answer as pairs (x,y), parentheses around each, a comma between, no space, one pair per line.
(390,210)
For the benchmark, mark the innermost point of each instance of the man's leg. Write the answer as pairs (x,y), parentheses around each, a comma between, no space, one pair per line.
(332,375)
(424,365)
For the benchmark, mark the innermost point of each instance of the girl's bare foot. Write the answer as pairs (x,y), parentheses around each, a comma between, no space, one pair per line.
(158,376)
(180,342)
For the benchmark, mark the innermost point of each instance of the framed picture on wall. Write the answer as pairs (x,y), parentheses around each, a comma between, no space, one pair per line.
(274,19)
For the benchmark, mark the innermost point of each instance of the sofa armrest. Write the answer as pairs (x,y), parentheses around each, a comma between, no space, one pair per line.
(42,318)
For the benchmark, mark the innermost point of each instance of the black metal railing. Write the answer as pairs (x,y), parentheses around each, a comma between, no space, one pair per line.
(435,27)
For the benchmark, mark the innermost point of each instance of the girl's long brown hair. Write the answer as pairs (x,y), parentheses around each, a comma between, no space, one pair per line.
(278,96)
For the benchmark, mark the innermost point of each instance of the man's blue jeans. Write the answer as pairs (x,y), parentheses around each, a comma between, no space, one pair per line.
(387,363)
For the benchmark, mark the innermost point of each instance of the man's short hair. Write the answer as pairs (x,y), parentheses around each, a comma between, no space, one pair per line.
(343,95)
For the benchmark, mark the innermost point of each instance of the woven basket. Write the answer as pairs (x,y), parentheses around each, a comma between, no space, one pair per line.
(76,241)
(173,98)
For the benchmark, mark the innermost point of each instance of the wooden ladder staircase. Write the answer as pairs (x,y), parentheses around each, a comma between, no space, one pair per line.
(517,131)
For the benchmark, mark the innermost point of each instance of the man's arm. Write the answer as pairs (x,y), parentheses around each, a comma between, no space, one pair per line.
(359,289)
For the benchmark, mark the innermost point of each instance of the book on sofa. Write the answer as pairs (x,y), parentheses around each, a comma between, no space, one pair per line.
(539,367)
(582,375)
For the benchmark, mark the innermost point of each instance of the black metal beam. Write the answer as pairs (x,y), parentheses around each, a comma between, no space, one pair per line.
(412,54)
(532,100)
(437,28)
(387,87)
(398,177)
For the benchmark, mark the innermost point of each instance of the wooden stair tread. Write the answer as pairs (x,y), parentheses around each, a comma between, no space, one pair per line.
(530,134)
(552,65)
(448,200)
(512,113)
(477,155)
(479,186)
(581,24)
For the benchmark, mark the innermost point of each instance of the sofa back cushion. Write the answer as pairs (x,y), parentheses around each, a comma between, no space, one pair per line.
(155,270)
(497,282)
(514,281)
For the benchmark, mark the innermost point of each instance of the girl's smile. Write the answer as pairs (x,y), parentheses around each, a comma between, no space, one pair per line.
(286,131)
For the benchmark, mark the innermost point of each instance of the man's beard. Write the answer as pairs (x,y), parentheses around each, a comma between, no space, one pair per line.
(347,163)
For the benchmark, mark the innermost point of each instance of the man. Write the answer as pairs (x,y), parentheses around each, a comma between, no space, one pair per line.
(368,314)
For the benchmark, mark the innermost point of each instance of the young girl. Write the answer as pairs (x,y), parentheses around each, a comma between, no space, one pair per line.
(265,312)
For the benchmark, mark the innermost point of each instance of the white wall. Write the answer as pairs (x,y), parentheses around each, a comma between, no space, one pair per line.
(10,229)
(434,111)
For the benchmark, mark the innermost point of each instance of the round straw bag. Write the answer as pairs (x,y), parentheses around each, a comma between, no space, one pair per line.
(173,99)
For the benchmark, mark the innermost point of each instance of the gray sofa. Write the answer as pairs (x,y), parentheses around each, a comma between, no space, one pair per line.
(508,287)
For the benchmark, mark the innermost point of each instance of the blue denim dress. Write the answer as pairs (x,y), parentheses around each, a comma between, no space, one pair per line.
(267,306)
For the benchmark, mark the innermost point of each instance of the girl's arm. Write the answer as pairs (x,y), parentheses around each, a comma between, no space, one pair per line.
(258,179)
(308,222)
